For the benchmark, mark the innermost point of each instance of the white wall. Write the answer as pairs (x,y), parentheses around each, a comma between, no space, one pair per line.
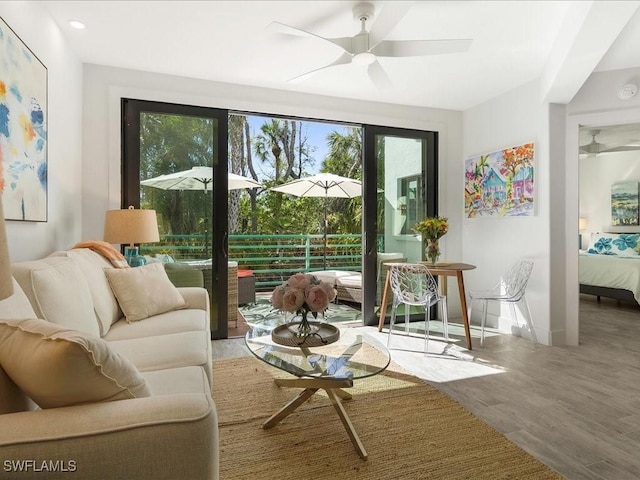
(493,244)
(597,174)
(105,86)
(33,240)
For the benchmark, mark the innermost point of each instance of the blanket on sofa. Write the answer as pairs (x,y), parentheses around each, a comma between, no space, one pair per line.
(106,250)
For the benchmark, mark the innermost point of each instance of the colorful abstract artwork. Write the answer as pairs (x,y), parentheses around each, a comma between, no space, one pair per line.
(624,203)
(23,130)
(500,184)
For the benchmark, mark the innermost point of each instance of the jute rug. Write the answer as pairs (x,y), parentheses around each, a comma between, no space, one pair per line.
(409,429)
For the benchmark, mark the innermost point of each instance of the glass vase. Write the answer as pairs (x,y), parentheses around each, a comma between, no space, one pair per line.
(301,327)
(433,251)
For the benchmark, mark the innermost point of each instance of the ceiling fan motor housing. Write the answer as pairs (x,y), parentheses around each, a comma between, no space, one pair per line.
(363,11)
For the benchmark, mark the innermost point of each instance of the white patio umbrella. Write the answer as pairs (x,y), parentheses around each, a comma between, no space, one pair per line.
(323,185)
(198,178)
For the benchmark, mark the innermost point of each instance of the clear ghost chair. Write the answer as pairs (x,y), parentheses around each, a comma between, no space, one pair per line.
(413,284)
(511,290)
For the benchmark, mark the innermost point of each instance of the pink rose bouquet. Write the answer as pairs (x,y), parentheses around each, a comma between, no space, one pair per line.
(303,293)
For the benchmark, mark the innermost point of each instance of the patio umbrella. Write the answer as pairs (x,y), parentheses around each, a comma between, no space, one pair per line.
(198,178)
(323,185)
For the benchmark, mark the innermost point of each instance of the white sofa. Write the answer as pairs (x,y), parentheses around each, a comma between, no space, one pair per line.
(84,390)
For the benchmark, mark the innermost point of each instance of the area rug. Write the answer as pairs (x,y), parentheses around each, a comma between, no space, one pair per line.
(409,429)
(262,314)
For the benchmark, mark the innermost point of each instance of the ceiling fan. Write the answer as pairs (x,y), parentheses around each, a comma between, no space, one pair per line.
(594,148)
(366,47)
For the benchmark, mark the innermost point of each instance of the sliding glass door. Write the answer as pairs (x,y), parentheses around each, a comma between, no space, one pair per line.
(175,162)
(400,185)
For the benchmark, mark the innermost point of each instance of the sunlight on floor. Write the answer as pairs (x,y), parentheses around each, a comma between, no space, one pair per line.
(445,362)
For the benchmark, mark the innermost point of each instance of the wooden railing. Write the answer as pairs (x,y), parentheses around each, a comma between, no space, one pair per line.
(272,258)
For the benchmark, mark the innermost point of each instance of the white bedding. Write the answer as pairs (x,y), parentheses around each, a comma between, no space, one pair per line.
(610,271)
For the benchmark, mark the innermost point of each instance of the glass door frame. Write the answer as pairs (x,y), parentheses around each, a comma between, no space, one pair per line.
(130,191)
(370,203)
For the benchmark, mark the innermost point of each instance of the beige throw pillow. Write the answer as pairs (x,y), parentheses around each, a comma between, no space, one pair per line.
(144,291)
(57,367)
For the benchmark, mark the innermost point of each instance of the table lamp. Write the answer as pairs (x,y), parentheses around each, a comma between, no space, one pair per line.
(6,281)
(131,226)
(582,226)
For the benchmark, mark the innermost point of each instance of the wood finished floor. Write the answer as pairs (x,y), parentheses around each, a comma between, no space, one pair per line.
(577,409)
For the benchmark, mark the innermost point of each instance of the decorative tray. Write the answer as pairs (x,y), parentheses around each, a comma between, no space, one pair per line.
(323,334)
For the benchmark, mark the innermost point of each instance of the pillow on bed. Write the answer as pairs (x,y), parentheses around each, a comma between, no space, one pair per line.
(621,244)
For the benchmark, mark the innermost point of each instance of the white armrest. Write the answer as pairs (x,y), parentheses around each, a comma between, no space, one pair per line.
(196,297)
(161,437)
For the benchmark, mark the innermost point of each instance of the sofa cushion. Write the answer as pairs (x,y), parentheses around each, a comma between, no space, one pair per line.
(58,292)
(57,366)
(144,291)
(92,266)
(178,380)
(167,351)
(188,320)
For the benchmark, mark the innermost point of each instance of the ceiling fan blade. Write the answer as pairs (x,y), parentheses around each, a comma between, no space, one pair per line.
(415,48)
(277,27)
(341,60)
(623,148)
(378,76)
(385,21)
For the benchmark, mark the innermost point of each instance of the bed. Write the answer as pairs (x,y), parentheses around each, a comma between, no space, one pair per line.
(611,267)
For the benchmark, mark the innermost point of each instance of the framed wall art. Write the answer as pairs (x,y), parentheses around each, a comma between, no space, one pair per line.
(624,203)
(500,184)
(23,130)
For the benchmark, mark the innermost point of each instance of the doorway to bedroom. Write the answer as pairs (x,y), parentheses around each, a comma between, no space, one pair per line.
(609,223)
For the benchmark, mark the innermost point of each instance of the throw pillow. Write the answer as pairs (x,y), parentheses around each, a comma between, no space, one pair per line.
(58,367)
(621,244)
(59,292)
(144,291)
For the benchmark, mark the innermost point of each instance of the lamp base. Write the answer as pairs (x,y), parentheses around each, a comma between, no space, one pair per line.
(134,259)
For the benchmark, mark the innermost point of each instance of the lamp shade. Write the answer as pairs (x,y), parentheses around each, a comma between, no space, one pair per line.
(129,226)
(582,223)
(6,281)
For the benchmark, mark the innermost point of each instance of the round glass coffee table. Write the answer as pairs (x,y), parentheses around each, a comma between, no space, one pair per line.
(332,368)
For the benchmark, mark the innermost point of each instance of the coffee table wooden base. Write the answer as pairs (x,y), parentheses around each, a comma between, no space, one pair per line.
(333,387)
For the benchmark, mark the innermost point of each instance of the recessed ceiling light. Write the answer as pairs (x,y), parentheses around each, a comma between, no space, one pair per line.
(76,24)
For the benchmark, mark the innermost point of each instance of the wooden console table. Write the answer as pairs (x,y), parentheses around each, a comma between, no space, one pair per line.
(442,270)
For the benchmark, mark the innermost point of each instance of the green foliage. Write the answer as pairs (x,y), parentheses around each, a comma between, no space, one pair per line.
(173,143)
(169,144)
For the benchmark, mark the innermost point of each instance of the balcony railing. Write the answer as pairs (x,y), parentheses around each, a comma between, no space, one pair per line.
(272,258)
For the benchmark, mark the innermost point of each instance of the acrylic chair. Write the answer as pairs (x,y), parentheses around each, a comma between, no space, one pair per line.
(511,290)
(413,285)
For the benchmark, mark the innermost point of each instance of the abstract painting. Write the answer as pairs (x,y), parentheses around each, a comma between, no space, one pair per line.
(501,183)
(23,130)
(624,203)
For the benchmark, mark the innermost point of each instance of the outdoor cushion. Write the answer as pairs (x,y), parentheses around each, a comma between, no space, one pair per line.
(352,281)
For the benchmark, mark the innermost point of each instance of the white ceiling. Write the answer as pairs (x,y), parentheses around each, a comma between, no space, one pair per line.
(514,42)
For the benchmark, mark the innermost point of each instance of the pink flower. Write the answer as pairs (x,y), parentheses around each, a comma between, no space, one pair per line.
(277,297)
(331,292)
(317,298)
(292,299)
(300,280)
